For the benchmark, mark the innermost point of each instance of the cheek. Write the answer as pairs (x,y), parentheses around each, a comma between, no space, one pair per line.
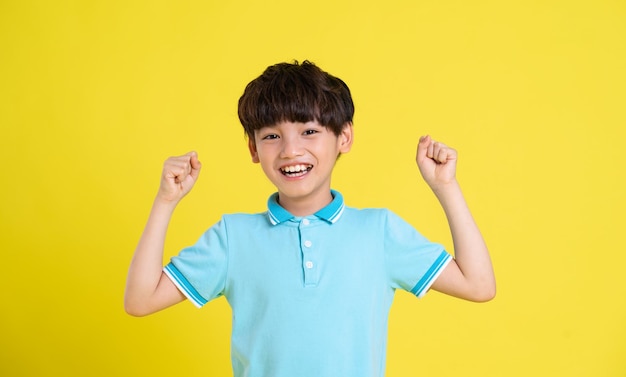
(265,161)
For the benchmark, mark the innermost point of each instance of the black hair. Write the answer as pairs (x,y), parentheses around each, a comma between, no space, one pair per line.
(294,92)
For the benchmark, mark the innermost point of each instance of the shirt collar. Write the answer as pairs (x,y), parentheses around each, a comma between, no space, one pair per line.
(331,213)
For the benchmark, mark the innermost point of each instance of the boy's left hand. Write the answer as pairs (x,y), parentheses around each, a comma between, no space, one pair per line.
(436,162)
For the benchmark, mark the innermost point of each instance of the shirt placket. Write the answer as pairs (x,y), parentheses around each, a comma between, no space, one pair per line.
(310,259)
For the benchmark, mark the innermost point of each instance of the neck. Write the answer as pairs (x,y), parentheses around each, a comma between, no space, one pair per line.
(301,207)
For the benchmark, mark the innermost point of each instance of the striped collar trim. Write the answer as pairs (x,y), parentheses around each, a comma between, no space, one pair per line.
(331,213)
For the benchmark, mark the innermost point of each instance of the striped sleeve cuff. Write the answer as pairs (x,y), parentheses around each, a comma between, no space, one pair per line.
(184,285)
(431,275)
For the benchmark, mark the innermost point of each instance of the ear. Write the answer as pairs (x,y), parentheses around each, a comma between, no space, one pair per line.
(253,151)
(346,138)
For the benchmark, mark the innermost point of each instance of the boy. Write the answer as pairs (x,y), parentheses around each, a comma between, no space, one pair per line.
(310,281)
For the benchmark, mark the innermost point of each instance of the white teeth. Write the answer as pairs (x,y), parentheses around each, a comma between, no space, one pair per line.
(295,168)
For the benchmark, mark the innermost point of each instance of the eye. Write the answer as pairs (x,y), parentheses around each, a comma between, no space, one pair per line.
(310,132)
(270,137)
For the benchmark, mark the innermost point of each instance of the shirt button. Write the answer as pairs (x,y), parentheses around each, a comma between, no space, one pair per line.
(305,222)
(308,243)
(309,264)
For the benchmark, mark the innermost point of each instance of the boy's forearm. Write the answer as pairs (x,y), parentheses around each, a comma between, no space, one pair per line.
(470,249)
(147,264)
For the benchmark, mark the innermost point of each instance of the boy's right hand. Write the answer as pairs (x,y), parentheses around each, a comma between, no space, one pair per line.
(179,175)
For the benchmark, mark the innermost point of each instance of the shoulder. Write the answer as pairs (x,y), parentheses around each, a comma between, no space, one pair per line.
(382,219)
(377,215)
(229,228)
(244,216)
(233,222)
(368,212)
(234,219)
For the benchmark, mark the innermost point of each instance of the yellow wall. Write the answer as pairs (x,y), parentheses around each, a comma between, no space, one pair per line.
(95,95)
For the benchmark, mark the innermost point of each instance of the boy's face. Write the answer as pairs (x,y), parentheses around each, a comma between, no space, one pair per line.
(298,158)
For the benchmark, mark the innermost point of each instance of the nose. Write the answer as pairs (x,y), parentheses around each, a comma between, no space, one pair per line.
(291,148)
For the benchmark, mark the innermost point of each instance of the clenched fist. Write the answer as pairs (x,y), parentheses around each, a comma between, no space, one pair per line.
(436,162)
(179,175)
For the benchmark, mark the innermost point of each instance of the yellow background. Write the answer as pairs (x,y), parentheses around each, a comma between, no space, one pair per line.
(94,95)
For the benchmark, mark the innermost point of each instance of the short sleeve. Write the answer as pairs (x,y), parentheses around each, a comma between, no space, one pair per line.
(413,263)
(199,271)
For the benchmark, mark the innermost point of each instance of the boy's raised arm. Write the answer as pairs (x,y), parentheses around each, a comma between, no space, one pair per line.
(470,275)
(148,289)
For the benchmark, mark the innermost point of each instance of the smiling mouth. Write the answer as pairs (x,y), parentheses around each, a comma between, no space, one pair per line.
(296,170)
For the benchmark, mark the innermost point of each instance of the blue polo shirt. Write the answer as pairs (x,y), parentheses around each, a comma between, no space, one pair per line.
(310,296)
